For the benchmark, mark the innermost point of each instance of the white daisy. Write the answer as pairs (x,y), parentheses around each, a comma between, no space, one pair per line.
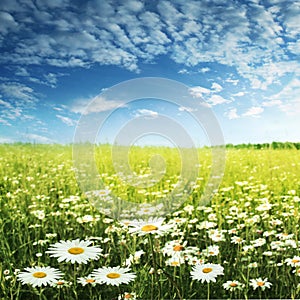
(206,272)
(112,275)
(233,285)
(127,296)
(152,226)
(211,251)
(293,262)
(260,283)
(175,261)
(74,251)
(39,276)
(87,281)
(60,283)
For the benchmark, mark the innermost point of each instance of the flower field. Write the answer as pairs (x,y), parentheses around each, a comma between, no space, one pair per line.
(56,245)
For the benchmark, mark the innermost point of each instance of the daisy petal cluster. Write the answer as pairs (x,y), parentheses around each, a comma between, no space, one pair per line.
(206,272)
(233,285)
(87,281)
(260,283)
(74,251)
(112,275)
(294,262)
(39,276)
(151,226)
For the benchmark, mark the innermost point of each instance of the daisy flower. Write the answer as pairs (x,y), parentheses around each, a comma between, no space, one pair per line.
(233,285)
(175,261)
(211,251)
(112,275)
(39,276)
(152,226)
(262,283)
(206,272)
(237,240)
(172,248)
(293,262)
(127,296)
(297,272)
(74,251)
(60,283)
(87,281)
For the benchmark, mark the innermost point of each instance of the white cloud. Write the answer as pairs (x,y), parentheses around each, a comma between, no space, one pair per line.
(271,103)
(94,105)
(216,87)
(17,90)
(204,70)
(199,91)
(217,99)
(4,122)
(239,94)
(246,36)
(232,114)
(7,22)
(253,111)
(36,138)
(289,97)
(147,113)
(68,121)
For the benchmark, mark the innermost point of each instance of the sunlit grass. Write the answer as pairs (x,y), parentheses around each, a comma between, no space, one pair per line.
(252,222)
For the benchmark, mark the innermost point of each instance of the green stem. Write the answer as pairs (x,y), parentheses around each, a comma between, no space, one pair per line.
(155,265)
(208,291)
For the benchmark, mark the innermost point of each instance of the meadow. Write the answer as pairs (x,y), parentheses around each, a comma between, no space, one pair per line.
(56,245)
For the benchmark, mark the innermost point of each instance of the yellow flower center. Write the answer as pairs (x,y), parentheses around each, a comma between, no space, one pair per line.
(59,282)
(76,250)
(174,263)
(233,284)
(90,280)
(148,228)
(294,261)
(39,274)
(113,275)
(211,252)
(260,283)
(207,270)
(178,248)
(127,296)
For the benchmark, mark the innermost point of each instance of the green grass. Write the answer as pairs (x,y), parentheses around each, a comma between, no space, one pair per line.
(36,182)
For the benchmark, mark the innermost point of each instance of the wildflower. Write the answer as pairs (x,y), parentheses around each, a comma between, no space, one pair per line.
(211,251)
(233,285)
(39,276)
(74,251)
(294,262)
(206,272)
(216,235)
(60,283)
(152,226)
(112,275)
(260,283)
(297,272)
(87,281)
(253,265)
(172,248)
(237,240)
(126,296)
(175,261)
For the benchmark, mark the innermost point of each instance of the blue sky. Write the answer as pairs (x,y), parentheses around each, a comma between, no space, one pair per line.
(240,57)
